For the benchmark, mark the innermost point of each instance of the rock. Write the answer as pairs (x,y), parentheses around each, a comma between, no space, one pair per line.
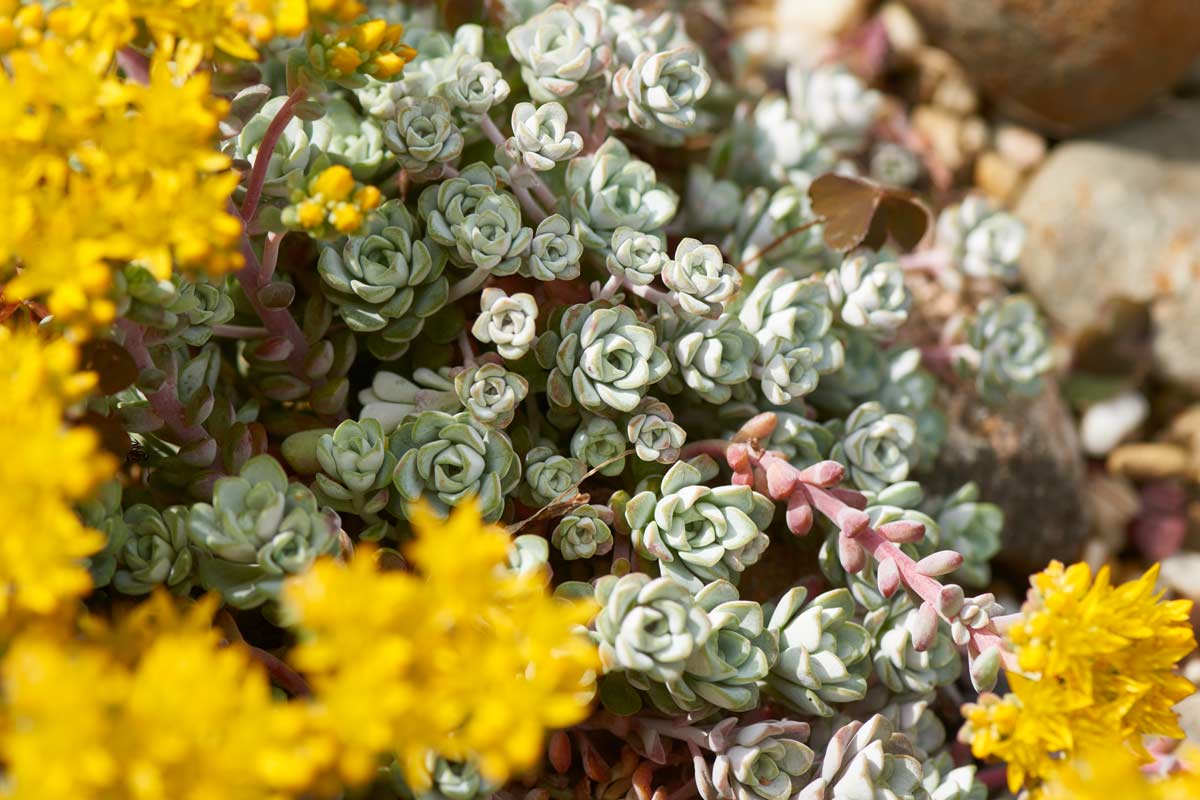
(1115,218)
(999,178)
(1109,422)
(1023,147)
(807,26)
(1066,66)
(1026,459)
(954,140)
(1149,461)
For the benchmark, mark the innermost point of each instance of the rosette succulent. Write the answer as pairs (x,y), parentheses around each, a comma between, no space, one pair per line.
(648,626)
(391,398)
(971,528)
(386,277)
(725,671)
(550,477)
(864,759)
(822,651)
(445,458)
(491,393)
(103,513)
(696,533)
(836,103)
(764,761)
(708,356)
(559,49)
(983,240)
(636,257)
(423,136)
(598,441)
(876,446)
(553,252)
(347,138)
(156,553)
(356,470)
(801,440)
(661,89)
(1008,349)
(492,237)
(701,280)
(288,161)
(653,432)
(258,530)
(610,189)
(507,322)
(446,204)
(477,86)
(870,294)
(584,533)
(540,136)
(776,220)
(792,321)
(899,665)
(603,358)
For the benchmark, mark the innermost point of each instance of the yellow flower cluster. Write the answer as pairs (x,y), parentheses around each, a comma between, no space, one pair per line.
(370,48)
(1116,773)
(1098,669)
(42,543)
(464,659)
(98,170)
(332,202)
(154,709)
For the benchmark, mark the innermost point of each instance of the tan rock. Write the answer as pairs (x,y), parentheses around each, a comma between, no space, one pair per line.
(1149,460)
(1023,147)
(998,177)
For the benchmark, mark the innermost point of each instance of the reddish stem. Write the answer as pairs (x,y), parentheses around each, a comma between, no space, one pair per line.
(135,65)
(165,400)
(258,175)
(281,673)
(278,321)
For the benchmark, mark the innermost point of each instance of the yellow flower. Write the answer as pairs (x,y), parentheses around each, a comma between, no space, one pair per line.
(465,658)
(47,468)
(1099,671)
(21,25)
(331,202)
(1114,772)
(372,48)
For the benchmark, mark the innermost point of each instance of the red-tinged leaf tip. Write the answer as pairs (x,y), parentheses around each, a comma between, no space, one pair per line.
(902,531)
(888,577)
(781,480)
(922,626)
(851,554)
(799,515)
(852,522)
(823,474)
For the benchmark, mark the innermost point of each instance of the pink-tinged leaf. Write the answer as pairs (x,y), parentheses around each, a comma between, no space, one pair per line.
(757,427)
(852,522)
(950,600)
(799,514)
(781,480)
(851,554)
(922,626)
(823,474)
(560,752)
(943,562)
(902,531)
(888,577)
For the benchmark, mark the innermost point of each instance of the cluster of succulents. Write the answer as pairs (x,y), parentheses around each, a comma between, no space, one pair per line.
(643,357)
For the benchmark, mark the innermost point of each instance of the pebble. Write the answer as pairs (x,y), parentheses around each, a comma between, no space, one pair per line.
(1110,422)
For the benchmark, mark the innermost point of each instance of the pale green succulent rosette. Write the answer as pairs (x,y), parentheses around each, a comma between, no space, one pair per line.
(765,761)
(869,294)
(491,394)
(559,49)
(492,237)
(584,533)
(157,552)
(356,472)
(554,252)
(699,534)
(636,257)
(982,239)
(709,357)
(662,88)
(876,446)
(423,136)
(648,626)
(699,277)
(1008,349)
(448,203)
(865,759)
(551,477)
(653,432)
(598,441)
(258,530)
(102,512)
(898,664)
(611,189)
(540,137)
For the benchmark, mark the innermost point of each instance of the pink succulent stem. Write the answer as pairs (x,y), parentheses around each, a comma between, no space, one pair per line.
(165,400)
(278,321)
(258,175)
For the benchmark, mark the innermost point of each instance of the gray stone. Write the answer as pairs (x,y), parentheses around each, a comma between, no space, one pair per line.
(1118,217)
(1026,459)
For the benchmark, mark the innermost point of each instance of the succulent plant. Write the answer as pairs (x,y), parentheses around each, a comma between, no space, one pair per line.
(653,432)
(391,398)
(491,393)
(875,446)
(870,294)
(611,189)
(558,49)
(838,106)
(899,665)
(386,277)
(803,441)
(661,89)
(636,257)
(822,651)
(598,441)
(792,321)
(699,534)
(506,321)
(553,252)
(764,761)
(356,471)
(604,359)
(777,220)
(346,137)
(648,626)
(288,161)
(156,553)
(700,278)
(983,240)
(552,478)
(725,671)
(258,530)
(445,458)
(423,136)
(477,86)
(1008,349)
(708,356)
(864,759)
(540,137)
(444,205)
(103,513)
(971,528)
(584,533)
(491,236)
(711,204)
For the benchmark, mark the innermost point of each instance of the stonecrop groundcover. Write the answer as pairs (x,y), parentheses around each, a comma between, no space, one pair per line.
(503,400)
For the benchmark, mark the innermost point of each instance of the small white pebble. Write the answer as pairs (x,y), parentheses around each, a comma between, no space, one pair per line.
(1110,422)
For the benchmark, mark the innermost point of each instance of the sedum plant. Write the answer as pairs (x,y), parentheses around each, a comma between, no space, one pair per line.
(490,362)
